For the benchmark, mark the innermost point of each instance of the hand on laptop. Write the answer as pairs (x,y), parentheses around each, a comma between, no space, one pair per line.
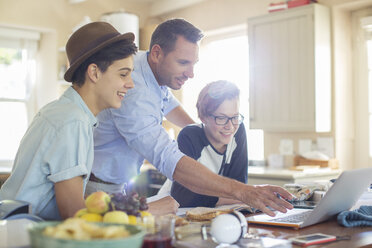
(264,196)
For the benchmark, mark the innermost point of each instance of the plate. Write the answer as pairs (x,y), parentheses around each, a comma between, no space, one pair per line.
(39,240)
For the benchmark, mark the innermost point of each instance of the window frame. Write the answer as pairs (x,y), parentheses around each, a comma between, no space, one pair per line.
(21,39)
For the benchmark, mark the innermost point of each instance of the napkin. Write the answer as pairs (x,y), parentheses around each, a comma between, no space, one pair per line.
(358,217)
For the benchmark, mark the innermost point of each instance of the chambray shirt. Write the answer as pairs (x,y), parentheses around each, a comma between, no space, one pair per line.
(132,133)
(57,146)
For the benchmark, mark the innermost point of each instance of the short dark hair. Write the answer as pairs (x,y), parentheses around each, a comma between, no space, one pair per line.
(213,95)
(104,58)
(166,34)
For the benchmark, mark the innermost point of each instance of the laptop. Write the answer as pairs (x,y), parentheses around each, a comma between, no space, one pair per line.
(343,194)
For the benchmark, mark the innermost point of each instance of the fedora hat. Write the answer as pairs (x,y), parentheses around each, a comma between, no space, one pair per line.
(88,40)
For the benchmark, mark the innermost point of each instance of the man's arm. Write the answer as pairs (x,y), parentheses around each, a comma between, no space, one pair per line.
(201,180)
(69,196)
(227,201)
(179,117)
(165,205)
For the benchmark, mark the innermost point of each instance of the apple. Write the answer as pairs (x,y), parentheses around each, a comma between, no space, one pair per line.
(116,217)
(98,202)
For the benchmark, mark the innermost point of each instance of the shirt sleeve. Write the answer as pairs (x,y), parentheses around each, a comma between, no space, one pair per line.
(238,168)
(191,143)
(171,102)
(66,156)
(139,123)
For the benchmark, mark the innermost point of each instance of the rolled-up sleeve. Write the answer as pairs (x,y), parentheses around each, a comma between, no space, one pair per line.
(140,125)
(66,157)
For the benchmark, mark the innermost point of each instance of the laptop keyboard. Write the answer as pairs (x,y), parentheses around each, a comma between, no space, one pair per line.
(295,218)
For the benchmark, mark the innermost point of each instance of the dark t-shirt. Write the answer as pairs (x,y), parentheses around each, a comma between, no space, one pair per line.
(233,163)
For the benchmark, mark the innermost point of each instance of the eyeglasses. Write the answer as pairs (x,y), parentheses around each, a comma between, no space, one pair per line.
(223,120)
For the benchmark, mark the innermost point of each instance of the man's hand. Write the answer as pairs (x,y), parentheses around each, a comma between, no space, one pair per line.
(166,205)
(264,196)
(201,180)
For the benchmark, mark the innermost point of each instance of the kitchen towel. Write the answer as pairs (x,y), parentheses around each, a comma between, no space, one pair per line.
(357,217)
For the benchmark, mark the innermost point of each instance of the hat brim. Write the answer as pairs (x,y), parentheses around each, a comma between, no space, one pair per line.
(70,71)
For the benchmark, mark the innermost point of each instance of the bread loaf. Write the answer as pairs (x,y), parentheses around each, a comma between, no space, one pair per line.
(179,221)
(204,213)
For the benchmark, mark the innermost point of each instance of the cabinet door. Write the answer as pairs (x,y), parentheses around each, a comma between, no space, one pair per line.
(282,55)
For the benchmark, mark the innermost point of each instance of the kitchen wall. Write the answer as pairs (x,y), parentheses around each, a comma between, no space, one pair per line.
(55,20)
(62,16)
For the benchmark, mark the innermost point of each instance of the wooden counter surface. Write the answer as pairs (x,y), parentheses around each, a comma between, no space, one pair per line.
(359,236)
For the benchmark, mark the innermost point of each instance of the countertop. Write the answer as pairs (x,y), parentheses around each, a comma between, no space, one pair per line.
(13,233)
(5,169)
(290,174)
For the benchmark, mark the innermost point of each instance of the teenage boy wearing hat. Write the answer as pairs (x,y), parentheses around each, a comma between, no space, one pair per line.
(54,159)
(128,135)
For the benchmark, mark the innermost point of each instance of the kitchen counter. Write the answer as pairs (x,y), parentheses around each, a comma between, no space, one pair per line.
(260,175)
(4,173)
(13,233)
(359,236)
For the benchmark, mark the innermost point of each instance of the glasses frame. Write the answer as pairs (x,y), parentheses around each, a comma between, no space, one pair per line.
(240,119)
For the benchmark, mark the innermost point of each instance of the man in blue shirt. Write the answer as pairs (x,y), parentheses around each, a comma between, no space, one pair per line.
(54,159)
(127,136)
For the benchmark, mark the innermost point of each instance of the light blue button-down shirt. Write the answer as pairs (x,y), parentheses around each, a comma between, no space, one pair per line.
(57,146)
(132,133)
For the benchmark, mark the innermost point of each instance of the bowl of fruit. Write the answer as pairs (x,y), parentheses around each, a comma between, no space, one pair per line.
(107,221)
(79,233)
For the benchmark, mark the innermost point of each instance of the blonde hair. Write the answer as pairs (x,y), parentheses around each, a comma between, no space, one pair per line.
(213,95)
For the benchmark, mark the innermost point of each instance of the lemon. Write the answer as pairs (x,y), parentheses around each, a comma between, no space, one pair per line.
(92,217)
(81,212)
(145,213)
(132,219)
(116,217)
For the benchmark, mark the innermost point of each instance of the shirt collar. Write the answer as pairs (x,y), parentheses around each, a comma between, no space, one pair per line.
(147,72)
(150,77)
(72,94)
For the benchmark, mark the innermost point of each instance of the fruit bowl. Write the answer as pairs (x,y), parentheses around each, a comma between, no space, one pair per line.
(40,240)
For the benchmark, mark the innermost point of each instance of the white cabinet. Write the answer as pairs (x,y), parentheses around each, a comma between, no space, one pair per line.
(290,73)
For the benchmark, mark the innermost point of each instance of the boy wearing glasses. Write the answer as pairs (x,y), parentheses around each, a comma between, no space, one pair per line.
(219,143)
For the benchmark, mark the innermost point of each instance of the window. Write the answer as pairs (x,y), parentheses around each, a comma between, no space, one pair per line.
(17,70)
(225,58)
(369,50)
(366,24)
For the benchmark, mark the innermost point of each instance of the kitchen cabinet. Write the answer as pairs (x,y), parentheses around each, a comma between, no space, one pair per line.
(290,70)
